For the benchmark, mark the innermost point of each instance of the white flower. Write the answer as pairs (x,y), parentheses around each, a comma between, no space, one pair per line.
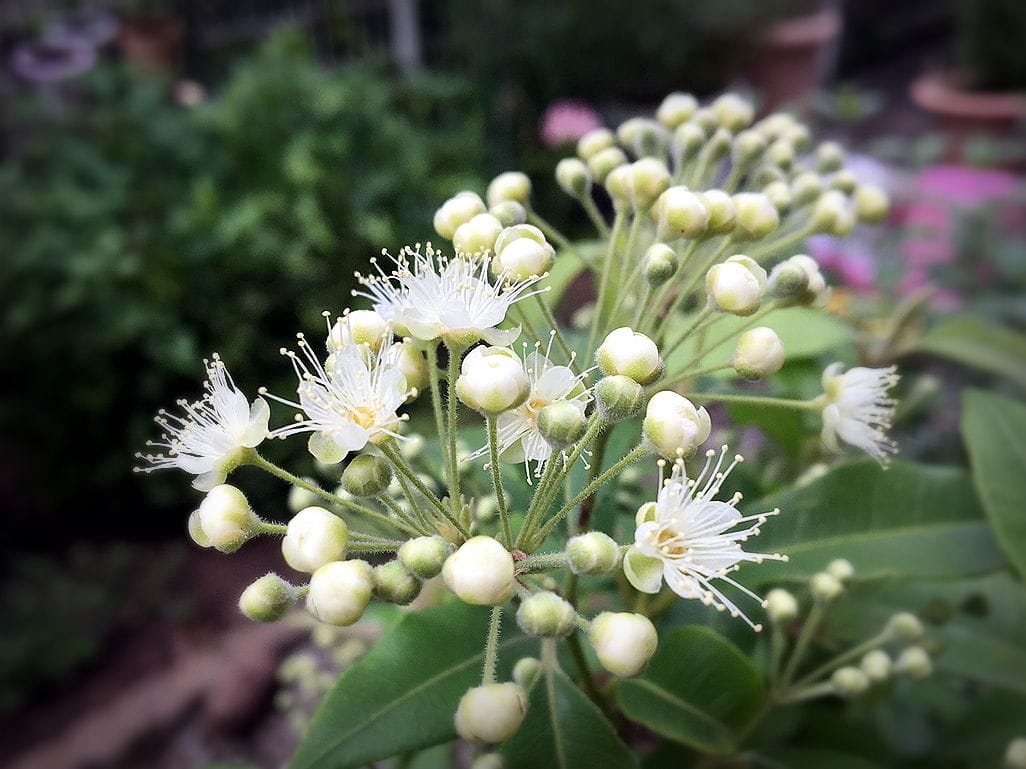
(673,425)
(348,405)
(689,540)
(208,440)
(429,296)
(858,410)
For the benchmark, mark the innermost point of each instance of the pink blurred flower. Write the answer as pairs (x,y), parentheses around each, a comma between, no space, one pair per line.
(965,185)
(851,261)
(565,121)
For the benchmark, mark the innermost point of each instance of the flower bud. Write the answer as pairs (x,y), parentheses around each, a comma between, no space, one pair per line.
(798,281)
(757,217)
(618,185)
(226,518)
(358,327)
(623,642)
(722,216)
(626,352)
(424,556)
(313,538)
(195,528)
(1015,754)
(914,662)
(674,426)
(547,615)
(733,112)
(661,264)
(592,553)
(393,584)
(562,423)
(509,213)
(767,173)
(649,178)
(618,398)
(480,572)
(489,761)
(758,354)
(832,215)
(491,713)
(680,214)
(718,146)
(806,187)
(799,136)
(841,569)
(707,119)
(526,672)
(492,380)
(844,181)
(780,153)
(688,139)
(594,142)
(512,185)
(267,599)
(455,211)
(676,108)
(779,194)
(905,627)
(414,365)
(849,682)
(477,236)
(643,137)
(825,587)
(299,497)
(573,177)
(522,252)
(340,591)
(776,125)
(748,146)
(604,162)
(781,606)
(876,665)
(829,157)
(871,203)
(737,285)
(366,476)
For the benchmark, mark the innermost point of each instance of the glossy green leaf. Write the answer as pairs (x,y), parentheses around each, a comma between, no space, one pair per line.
(908,520)
(403,694)
(994,429)
(974,342)
(563,729)
(699,689)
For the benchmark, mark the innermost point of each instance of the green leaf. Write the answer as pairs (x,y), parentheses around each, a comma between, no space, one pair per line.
(994,429)
(973,342)
(699,689)
(563,729)
(403,694)
(808,758)
(908,520)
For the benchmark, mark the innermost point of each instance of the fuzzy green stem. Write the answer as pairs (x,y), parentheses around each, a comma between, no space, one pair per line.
(491,654)
(553,234)
(396,459)
(404,522)
(607,267)
(500,495)
(757,400)
(856,651)
(824,689)
(551,320)
(701,318)
(808,630)
(588,204)
(436,396)
(257,460)
(271,529)
(451,401)
(543,562)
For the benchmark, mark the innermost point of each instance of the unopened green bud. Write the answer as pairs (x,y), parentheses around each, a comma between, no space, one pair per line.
(512,185)
(841,569)
(722,216)
(480,572)
(267,599)
(688,139)
(573,177)
(649,178)
(227,519)
(299,497)
(779,194)
(674,426)
(643,137)
(1015,754)
(457,210)
(757,217)
(876,665)
(493,380)
(781,606)
(780,153)
(509,213)
(592,553)
(522,258)
(491,713)
(412,362)
(394,584)
(680,214)
(366,476)
(806,188)
(825,587)
(798,281)
(661,264)
(526,672)
(623,642)
(676,108)
(625,351)
(595,141)
(618,398)
(562,423)
(477,236)
(759,353)
(718,146)
(844,181)
(829,157)
(424,556)
(748,146)
(340,591)
(905,627)
(767,173)
(733,112)
(618,185)
(313,538)
(547,615)
(832,215)
(776,125)
(849,682)
(871,203)
(737,285)
(707,119)
(914,662)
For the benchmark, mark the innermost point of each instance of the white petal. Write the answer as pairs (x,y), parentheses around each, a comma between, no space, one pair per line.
(324,449)
(643,572)
(256,429)
(501,337)
(207,481)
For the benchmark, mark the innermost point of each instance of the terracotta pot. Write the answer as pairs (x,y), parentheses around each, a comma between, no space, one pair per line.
(793,58)
(153,43)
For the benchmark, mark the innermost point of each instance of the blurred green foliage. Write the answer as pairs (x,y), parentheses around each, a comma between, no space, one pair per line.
(139,236)
(989,43)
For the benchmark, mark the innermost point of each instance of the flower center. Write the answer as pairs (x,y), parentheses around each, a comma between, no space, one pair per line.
(362,415)
(668,542)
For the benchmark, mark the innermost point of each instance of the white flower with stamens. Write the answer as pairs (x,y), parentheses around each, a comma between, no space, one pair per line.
(429,296)
(209,439)
(689,539)
(350,404)
(858,410)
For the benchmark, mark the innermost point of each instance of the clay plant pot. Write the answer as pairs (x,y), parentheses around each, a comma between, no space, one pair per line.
(793,57)
(152,43)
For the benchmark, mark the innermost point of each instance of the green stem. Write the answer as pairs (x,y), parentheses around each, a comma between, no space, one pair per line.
(699,275)
(595,215)
(757,400)
(857,651)
(436,396)
(752,320)
(808,630)
(551,320)
(404,522)
(824,689)
(526,324)
(257,460)
(454,471)
(397,462)
(607,267)
(573,641)
(536,505)
(500,495)
(777,644)
(787,241)
(543,562)
(553,234)
(414,503)
(272,529)
(701,318)
(492,646)
(646,300)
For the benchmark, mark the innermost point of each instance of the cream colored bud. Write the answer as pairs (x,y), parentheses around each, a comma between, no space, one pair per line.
(748,146)
(737,285)
(844,181)
(829,157)
(798,281)
(492,380)
(825,587)
(733,112)
(412,362)
(643,137)
(512,185)
(394,584)
(547,615)
(905,627)
(268,599)
(477,236)
(340,591)
(781,606)
(573,177)
(841,569)
(367,476)
(806,188)
(480,572)
(706,118)
(358,327)
(509,212)
(592,553)
(619,185)
(914,662)
(757,217)
(562,423)
(526,672)
(522,252)
(195,528)
(722,216)
(831,214)
(424,556)
(799,136)
(491,713)
(776,125)
(649,178)
(1015,754)
(758,354)
(623,642)
(626,352)
(674,426)
(871,203)
(767,173)
(676,108)
(618,398)
(660,264)
(226,518)
(594,142)
(457,210)
(780,153)
(779,194)
(313,538)
(718,146)
(688,139)
(299,497)
(680,214)
(876,665)
(849,682)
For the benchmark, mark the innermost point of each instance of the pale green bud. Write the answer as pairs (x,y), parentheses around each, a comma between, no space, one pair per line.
(849,682)
(806,188)
(226,518)
(733,112)
(680,213)
(592,553)
(844,181)
(799,136)
(688,139)
(737,285)
(757,217)
(781,606)
(1015,754)
(673,426)
(366,476)
(340,591)
(841,569)
(798,281)
(268,599)
(547,615)
(623,642)
(489,761)
(914,662)
(412,362)
(477,236)
(676,108)
(718,146)
(196,532)
(522,252)
(905,627)
(748,146)
(649,178)
(776,125)
(457,210)
(594,142)
(509,213)
(393,584)
(618,398)
(526,672)
(876,665)
(871,203)
(661,264)
(643,137)
(625,351)
(313,538)
(825,587)
(832,215)
(573,177)
(512,185)
(767,173)
(707,119)
(829,157)
(780,153)
(299,497)
(619,186)
(424,556)
(480,572)
(779,194)
(493,379)
(562,423)
(758,354)
(491,713)
(722,216)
